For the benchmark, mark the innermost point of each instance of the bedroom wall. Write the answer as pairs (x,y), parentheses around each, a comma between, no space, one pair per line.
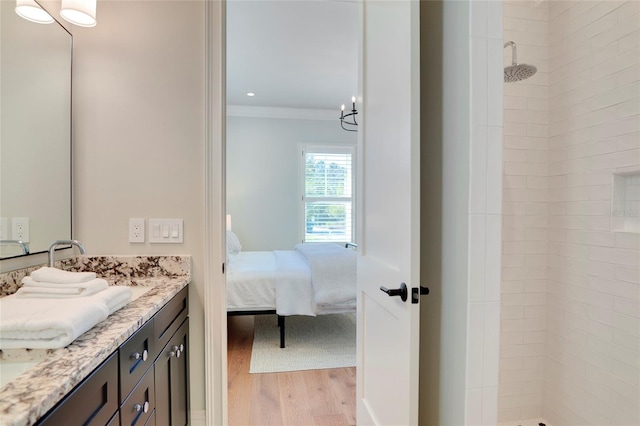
(263,175)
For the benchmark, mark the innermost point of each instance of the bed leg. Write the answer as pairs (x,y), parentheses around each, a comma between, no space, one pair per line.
(281,325)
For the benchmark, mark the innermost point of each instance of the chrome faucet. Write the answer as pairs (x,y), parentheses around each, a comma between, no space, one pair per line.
(22,244)
(52,248)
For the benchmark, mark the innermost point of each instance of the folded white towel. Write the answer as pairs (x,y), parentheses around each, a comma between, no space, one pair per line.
(55,275)
(46,323)
(32,288)
(115,297)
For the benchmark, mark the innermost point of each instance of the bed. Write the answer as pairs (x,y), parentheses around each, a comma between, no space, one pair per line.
(313,279)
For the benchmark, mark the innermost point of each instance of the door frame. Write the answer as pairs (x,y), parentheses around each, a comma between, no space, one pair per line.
(215,315)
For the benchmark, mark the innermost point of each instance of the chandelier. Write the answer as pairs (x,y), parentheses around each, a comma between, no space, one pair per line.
(349,120)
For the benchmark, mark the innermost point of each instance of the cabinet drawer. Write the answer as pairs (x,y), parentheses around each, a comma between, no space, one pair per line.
(136,356)
(140,404)
(169,318)
(93,402)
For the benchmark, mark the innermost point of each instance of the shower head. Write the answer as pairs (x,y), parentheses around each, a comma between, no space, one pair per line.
(516,71)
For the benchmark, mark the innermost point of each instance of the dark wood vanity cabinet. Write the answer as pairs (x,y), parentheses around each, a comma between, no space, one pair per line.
(143,383)
(93,402)
(171,373)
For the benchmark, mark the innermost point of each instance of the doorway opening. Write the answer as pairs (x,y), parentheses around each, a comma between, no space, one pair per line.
(290,67)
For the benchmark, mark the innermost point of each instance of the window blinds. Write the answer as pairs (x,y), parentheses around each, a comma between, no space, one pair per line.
(328,194)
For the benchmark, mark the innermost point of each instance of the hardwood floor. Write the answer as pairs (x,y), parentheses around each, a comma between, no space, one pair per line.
(300,398)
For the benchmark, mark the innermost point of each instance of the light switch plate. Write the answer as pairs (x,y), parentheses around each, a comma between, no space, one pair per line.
(170,231)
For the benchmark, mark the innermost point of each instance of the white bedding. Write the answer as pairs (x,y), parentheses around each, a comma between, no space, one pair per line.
(333,276)
(294,292)
(282,281)
(251,283)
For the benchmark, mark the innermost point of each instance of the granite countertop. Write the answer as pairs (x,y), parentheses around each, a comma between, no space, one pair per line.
(31,395)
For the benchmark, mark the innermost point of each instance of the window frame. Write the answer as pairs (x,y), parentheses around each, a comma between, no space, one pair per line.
(327,149)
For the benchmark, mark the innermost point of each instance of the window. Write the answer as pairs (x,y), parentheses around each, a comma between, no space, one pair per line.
(327,194)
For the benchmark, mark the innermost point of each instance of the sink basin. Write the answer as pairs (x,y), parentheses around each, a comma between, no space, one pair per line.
(14,362)
(138,291)
(10,370)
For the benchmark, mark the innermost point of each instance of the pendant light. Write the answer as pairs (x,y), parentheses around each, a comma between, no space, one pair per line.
(79,12)
(31,11)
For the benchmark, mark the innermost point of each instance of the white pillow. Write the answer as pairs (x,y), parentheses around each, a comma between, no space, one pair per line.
(233,243)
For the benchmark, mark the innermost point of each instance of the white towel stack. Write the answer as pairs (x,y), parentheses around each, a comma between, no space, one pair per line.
(55,283)
(58,276)
(54,307)
(32,288)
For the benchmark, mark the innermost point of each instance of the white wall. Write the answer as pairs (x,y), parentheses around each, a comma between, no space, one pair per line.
(456,133)
(139,136)
(461,185)
(264,175)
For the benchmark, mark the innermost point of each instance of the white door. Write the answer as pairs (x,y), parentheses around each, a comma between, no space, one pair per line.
(388,328)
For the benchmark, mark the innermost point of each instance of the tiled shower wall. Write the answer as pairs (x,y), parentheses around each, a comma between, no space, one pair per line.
(592,362)
(572,354)
(525,216)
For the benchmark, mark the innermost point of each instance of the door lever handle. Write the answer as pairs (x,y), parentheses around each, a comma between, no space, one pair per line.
(402,291)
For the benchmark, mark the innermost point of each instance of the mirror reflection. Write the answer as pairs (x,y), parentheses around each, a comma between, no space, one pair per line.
(35,133)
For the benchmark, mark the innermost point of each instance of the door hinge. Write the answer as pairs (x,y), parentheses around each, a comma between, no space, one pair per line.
(223,267)
(416,292)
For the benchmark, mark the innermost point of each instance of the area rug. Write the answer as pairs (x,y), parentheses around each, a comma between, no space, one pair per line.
(312,343)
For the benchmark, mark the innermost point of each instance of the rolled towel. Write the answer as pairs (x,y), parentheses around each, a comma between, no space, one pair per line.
(115,297)
(48,324)
(32,288)
(55,275)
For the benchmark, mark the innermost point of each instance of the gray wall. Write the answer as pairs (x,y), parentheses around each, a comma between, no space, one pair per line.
(264,176)
(445,136)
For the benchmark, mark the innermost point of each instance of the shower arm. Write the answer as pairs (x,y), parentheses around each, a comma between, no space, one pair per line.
(514,53)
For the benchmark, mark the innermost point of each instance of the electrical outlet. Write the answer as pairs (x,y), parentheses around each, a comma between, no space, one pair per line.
(136,230)
(20,229)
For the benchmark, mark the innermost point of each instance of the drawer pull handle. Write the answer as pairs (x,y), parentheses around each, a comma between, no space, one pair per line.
(176,351)
(138,355)
(144,408)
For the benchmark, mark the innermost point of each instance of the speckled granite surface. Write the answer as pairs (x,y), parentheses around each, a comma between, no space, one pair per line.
(24,400)
(118,270)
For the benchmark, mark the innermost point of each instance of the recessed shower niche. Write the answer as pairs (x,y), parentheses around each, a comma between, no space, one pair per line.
(625,203)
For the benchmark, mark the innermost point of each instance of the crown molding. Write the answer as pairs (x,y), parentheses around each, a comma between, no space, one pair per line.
(277,112)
